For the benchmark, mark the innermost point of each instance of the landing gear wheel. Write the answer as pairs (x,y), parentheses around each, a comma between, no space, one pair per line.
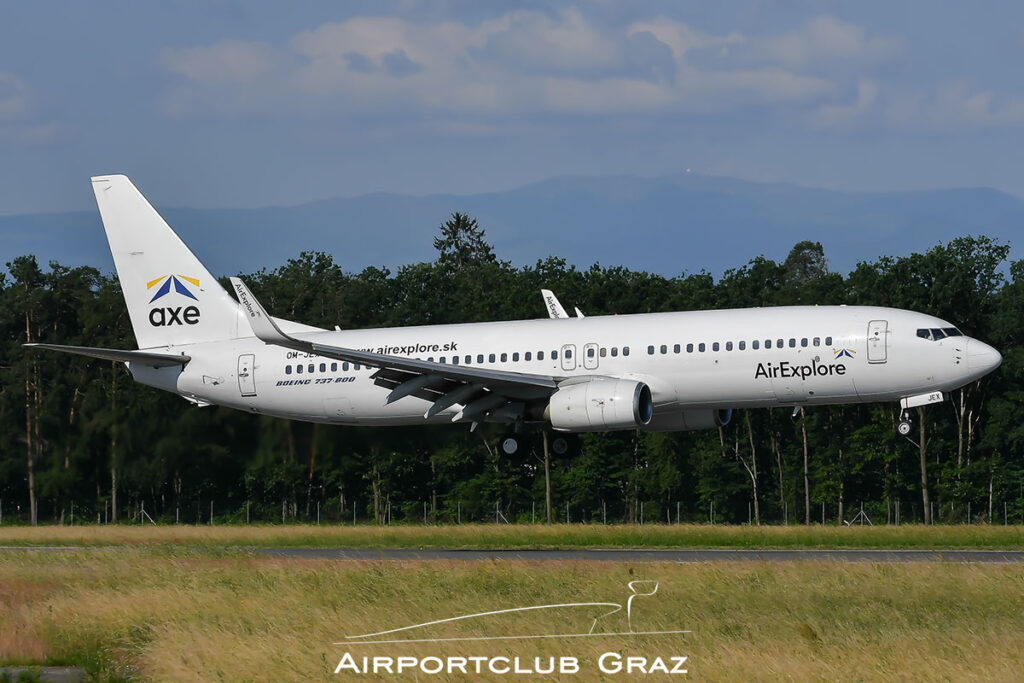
(904,427)
(510,444)
(560,446)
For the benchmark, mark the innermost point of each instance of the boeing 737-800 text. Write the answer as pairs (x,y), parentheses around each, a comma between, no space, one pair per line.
(656,371)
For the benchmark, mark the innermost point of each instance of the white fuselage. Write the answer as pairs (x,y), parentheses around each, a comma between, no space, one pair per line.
(718,359)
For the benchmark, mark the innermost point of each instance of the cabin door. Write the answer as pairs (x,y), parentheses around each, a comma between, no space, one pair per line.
(878,341)
(246,374)
(569,357)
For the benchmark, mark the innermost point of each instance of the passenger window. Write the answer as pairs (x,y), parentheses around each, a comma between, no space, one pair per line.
(590,352)
(650,350)
(298,369)
(568,353)
(714,347)
(554,355)
(755,344)
(689,348)
(334,367)
(287,369)
(817,341)
(778,343)
(540,355)
(467,359)
(604,352)
(664,349)
(515,356)
(701,347)
(455,360)
(490,358)
(676,349)
(728,346)
(323,367)
(743,345)
(504,357)
(828,341)
(479,358)
(357,366)
(615,351)
(443,360)
(344,366)
(625,350)
(792,343)
(312,367)
(803,342)
(528,355)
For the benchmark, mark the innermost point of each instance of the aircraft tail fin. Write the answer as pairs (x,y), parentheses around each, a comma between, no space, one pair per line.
(171,297)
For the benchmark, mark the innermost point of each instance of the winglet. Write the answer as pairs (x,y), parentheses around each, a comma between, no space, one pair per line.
(551,303)
(263,326)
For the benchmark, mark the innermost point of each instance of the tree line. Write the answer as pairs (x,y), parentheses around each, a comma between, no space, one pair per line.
(79,439)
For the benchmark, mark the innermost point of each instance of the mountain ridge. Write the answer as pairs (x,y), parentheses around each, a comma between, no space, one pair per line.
(665,224)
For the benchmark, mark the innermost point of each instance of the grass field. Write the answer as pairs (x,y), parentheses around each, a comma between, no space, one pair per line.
(177,613)
(527,536)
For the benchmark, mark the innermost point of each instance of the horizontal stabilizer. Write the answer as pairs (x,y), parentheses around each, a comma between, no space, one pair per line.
(156,360)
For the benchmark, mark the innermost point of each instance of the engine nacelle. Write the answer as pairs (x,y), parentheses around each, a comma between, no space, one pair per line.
(689,420)
(601,405)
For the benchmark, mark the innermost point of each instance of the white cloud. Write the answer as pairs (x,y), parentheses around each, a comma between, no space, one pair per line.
(847,115)
(223,63)
(827,38)
(14,97)
(826,73)
(950,106)
(520,62)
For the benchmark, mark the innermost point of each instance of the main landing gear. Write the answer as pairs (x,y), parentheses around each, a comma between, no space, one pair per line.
(905,425)
(514,443)
(511,444)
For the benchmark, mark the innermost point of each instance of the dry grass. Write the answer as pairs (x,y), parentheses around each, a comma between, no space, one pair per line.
(159,614)
(524,536)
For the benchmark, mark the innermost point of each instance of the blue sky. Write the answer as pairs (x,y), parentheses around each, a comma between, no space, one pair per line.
(244,104)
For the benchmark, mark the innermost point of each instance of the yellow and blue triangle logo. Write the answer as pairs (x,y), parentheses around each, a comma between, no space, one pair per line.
(175,281)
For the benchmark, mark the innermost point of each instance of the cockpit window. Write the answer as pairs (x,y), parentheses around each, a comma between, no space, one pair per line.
(935,333)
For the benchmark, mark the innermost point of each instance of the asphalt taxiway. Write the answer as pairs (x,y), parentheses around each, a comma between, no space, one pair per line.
(650,555)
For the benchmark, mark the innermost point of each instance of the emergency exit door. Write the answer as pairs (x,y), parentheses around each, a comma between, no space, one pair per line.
(878,341)
(246,375)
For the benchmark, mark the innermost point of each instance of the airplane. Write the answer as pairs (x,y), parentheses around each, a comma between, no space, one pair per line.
(554,306)
(654,371)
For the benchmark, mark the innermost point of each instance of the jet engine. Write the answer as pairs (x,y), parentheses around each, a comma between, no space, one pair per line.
(600,405)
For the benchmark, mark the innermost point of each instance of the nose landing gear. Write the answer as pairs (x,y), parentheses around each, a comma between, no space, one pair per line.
(905,425)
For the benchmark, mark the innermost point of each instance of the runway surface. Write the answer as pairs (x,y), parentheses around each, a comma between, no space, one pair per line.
(652,555)
(607,555)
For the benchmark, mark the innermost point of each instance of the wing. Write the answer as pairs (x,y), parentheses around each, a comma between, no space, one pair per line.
(497,394)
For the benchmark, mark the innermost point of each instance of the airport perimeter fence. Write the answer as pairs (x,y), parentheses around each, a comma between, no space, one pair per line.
(356,513)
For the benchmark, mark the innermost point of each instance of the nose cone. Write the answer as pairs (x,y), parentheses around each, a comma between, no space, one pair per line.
(981,358)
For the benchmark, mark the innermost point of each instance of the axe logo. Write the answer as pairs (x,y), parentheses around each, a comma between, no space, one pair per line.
(163,317)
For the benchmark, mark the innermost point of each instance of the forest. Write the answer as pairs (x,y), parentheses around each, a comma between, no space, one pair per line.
(80,442)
